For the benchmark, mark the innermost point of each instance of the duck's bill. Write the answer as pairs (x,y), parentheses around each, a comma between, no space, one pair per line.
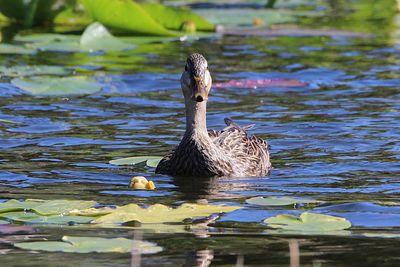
(200,92)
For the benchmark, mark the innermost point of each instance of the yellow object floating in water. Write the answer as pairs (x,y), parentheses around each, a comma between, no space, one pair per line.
(140,182)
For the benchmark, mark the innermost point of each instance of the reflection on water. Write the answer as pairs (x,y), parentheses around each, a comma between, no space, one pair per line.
(336,139)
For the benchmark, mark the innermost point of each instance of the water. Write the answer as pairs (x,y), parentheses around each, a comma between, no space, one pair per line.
(335,139)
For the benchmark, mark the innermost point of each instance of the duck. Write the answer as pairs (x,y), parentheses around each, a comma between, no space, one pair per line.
(230,152)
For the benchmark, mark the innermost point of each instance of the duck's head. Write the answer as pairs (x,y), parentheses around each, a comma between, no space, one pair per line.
(196,79)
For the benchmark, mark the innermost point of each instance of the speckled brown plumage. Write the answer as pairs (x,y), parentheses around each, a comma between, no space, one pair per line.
(202,153)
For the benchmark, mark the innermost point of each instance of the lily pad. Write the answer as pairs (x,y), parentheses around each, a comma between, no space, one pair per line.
(45,207)
(47,85)
(18,71)
(31,217)
(382,235)
(62,206)
(175,17)
(15,49)
(125,15)
(151,161)
(279,201)
(97,38)
(308,222)
(15,205)
(80,244)
(159,213)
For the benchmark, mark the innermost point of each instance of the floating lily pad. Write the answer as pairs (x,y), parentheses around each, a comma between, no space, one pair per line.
(46,85)
(45,207)
(62,206)
(308,222)
(279,201)
(174,18)
(96,37)
(18,71)
(159,213)
(8,121)
(31,217)
(15,205)
(15,49)
(125,15)
(151,161)
(382,235)
(80,244)
(92,211)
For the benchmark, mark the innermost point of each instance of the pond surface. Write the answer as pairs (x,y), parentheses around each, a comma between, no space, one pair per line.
(335,139)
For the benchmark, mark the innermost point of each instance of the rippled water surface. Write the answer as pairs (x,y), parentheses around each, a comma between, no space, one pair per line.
(335,139)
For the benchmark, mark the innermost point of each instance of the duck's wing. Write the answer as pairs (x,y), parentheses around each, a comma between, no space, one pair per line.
(249,154)
(164,166)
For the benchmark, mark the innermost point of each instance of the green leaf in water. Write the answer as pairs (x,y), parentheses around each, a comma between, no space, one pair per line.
(279,201)
(159,213)
(151,161)
(46,85)
(62,206)
(81,244)
(96,37)
(125,15)
(71,17)
(15,49)
(31,217)
(174,18)
(382,235)
(308,222)
(14,205)
(18,71)
(46,207)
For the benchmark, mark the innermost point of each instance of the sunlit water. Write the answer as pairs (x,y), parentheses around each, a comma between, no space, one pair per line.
(336,139)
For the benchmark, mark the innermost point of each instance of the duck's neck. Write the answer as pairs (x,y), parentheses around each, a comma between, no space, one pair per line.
(196,119)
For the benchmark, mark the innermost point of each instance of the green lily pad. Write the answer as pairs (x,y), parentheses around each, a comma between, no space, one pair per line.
(71,17)
(159,213)
(97,38)
(279,201)
(80,244)
(308,222)
(174,18)
(46,38)
(45,207)
(8,121)
(46,85)
(18,71)
(382,235)
(151,161)
(124,15)
(15,49)
(62,206)
(31,217)
(14,205)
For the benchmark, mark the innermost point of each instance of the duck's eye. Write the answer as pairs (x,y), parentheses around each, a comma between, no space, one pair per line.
(186,67)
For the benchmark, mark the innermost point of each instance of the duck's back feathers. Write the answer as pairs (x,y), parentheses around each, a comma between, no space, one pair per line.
(233,153)
(249,154)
